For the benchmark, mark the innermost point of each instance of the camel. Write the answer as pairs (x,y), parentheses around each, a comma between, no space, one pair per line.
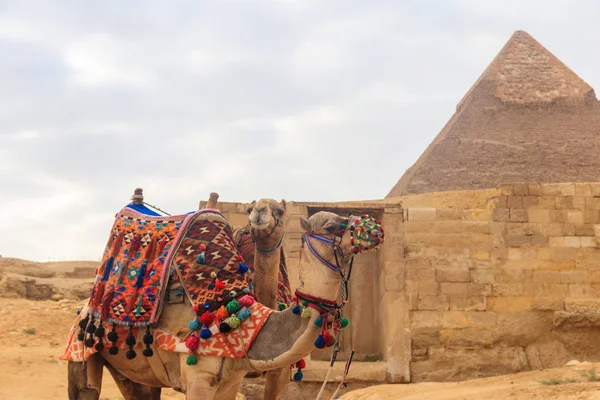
(285,338)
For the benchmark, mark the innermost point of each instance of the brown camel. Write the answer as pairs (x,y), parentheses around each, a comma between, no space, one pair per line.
(283,340)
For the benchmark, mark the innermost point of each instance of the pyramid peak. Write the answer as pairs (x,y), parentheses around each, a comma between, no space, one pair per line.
(525,72)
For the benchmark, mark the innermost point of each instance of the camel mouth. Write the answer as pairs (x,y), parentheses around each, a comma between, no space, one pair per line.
(258,225)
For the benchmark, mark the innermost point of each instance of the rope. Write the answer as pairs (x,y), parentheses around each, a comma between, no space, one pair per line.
(156,208)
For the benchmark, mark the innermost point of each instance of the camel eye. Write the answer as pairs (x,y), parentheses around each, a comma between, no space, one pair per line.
(331,228)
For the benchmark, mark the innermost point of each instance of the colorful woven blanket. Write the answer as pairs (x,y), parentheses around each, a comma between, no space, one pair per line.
(245,244)
(131,284)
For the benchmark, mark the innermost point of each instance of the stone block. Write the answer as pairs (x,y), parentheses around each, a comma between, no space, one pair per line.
(470,337)
(481,255)
(446,214)
(517,240)
(522,253)
(583,291)
(547,276)
(594,276)
(548,304)
(541,216)
(424,319)
(591,216)
(588,241)
(523,328)
(551,229)
(454,289)
(534,189)
(507,289)
(434,303)
(421,214)
(452,275)
(505,304)
(475,227)
(498,201)
(564,203)
(530,201)
(583,189)
(506,189)
(578,202)
(477,215)
(412,300)
(575,217)
(411,286)
(514,202)
(483,289)
(482,276)
(573,276)
(501,215)
(556,290)
(592,203)
(558,189)
(454,319)
(424,337)
(429,288)
(467,303)
(564,254)
(421,275)
(519,215)
(583,306)
(585,230)
(520,189)
(539,240)
(482,318)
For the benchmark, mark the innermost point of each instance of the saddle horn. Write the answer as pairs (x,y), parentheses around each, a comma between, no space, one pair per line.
(212,200)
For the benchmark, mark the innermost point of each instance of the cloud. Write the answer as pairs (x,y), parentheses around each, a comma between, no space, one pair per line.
(303,100)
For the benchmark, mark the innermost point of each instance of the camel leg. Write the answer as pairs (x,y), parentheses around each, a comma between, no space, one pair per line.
(228,390)
(85,379)
(132,390)
(203,386)
(275,383)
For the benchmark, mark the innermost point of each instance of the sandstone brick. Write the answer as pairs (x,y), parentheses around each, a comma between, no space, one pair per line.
(504,304)
(454,319)
(591,216)
(568,229)
(498,201)
(564,254)
(523,328)
(595,187)
(564,203)
(482,276)
(429,288)
(585,230)
(469,337)
(588,241)
(522,253)
(530,201)
(542,216)
(438,303)
(573,276)
(558,216)
(501,215)
(467,303)
(484,289)
(594,276)
(578,290)
(565,241)
(547,276)
(507,289)
(454,289)
(575,217)
(476,227)
(546,203)
(411,286)
(578,202)
(506,189)
(544,253)
(452,275)
(484,319)
(548,304)
(583,189)
(514,202)
(534,189)
(558,189)
(539,240)
(424,337)
(556,289)
(478,215)
(520,189)
(421,275)
(592,203)
(444,214)
(424,319)
(582,306)
(517,240)
(551,229)
(519,215)
(421,214)
(412,300)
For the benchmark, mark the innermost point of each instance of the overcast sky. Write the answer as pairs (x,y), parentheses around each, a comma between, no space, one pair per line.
(302,100)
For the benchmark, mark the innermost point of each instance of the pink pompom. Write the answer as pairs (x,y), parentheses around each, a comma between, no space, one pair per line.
(246,301)
(192,342)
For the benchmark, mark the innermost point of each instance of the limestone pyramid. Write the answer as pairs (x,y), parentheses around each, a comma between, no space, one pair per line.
(528,118)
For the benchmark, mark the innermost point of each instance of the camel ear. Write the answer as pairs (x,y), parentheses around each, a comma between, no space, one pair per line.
(250,207)
(305,224)
(283,204)
(279,207)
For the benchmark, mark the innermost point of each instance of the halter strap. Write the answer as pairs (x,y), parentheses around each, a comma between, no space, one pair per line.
(274,248)
(323,306)
(323,260)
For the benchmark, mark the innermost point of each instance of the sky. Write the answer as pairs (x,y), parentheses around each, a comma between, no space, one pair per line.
(307,100)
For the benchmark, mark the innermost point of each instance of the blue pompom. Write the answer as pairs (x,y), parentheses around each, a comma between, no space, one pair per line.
(194,325)
(201,258)
(242,268)
(243,314)
(205,333)
(319,322)
(298,375)
(296,309)
(320,342)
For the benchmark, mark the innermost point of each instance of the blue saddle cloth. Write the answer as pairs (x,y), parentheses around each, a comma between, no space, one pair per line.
(143,209)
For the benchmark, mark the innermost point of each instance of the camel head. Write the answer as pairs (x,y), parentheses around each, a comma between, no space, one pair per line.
(265,218)
(330,242)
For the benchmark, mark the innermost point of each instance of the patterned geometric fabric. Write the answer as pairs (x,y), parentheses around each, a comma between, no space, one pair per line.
(246,248)
(131,279)
(231,345)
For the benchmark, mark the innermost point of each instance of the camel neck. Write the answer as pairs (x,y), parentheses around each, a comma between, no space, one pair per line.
(266,277)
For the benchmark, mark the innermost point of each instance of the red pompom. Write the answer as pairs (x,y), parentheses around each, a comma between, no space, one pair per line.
(192,342)
(246,301)
(329,340)
(207,318)
(240,258)
(202,247)
(219,285)
(294,298)
(196,308)
(301,364)
(96,271)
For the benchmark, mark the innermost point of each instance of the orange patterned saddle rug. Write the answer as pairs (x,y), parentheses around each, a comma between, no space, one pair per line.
(131,283)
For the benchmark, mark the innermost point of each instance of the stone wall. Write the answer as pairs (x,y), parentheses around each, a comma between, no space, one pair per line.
(506,288)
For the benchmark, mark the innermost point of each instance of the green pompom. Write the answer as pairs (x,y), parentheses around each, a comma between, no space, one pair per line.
(233,322)
(282,306)
(345,322)
(319,322)
(191,360)
(306,313)
(305,303)
(233,306)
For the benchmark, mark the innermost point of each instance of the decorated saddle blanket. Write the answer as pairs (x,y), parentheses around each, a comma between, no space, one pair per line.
(142,254)
(245,244)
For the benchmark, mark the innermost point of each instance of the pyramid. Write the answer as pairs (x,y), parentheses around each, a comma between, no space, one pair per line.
(528,118)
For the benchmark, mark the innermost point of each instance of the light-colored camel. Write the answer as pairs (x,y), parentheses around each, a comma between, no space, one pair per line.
(284,339)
